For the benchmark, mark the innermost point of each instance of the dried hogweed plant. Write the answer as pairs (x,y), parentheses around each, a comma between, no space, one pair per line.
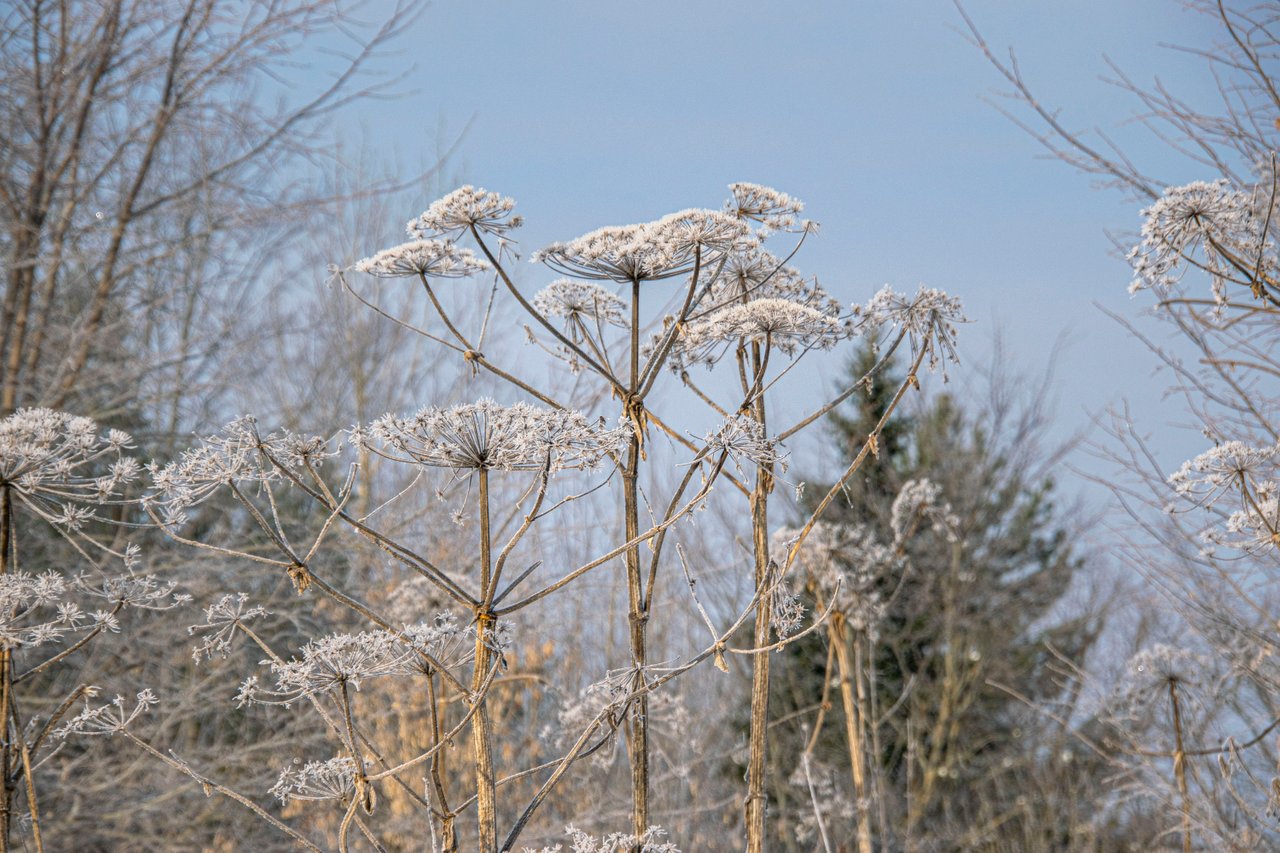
(58,473)
(634,315)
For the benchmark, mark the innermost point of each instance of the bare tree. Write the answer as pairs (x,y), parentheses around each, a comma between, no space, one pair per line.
(151,152)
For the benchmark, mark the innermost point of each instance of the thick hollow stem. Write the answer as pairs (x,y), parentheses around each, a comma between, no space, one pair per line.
(482,752)
(853,725)
(758,738)
(638,719)
(1180,765)
(6,678)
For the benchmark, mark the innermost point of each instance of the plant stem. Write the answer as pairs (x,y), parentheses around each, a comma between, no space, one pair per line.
(1180,765)
(480,732)
(853,722)
(638,719)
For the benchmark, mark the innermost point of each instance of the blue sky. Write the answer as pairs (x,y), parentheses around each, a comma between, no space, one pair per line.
(873,113)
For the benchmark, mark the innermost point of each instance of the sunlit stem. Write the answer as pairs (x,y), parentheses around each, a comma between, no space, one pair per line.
(758,738)
(638,719)
(853,725)
(1180,764)
(480,730)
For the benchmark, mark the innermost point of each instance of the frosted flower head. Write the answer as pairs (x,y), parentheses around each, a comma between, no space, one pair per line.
(34,610)
(430,258)
(921,500)
(929,319)
(841,564)
(759,274)
(580,304)
(221,620)
(649,251)
(334,779)
(650,841)
(238,455)
(786,612)
(107,719)
(709,231)
(1148,676)
(146,592)
(743,441)
(487,436)
(1206,225)
(1253,528)
(615,253)
(1229,466)
(780,324)
(775,211)
(336,660)
(60,466)
(463,209)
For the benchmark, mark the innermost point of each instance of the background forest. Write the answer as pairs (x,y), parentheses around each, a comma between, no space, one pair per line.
(322,531)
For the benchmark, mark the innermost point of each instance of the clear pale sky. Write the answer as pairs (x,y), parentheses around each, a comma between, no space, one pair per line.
(594,113)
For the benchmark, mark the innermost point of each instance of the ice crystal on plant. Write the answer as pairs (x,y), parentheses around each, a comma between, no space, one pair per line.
(336,660)
(743,440)
(781,324)
(759,274)
(929,319)
(145,592)
(921,500)
(464,208)
(1206,225)
(430,258)
(59,465)
(236,456)
(1148,676)
(1227,467)
(107,719)
(653,250)
(786,612)
(487,436)
(221,619)
(580,302)
(841,565)
(618,842)
(334,779)
(774,210)
(32,610)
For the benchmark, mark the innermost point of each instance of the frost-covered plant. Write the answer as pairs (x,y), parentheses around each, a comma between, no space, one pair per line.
(237,457)
(221,621)
(668,247)
(743,440)
(774,210)
(777,324)
(486,436)
(842,565)
(465,208)
(649,841)
(332,779)
(580,302)
(60,467)
(112,718)
(727,300)
(929,318)
(1244,477)
(430,258)
(1210,226)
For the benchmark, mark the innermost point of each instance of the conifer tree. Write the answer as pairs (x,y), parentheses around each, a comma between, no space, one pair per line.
(969,621)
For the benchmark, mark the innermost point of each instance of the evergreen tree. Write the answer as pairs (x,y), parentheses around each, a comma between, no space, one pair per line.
(970,620)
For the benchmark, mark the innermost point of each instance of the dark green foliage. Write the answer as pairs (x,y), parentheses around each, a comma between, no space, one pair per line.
(973,620)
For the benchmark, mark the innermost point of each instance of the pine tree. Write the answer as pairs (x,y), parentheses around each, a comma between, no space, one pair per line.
(968,624)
